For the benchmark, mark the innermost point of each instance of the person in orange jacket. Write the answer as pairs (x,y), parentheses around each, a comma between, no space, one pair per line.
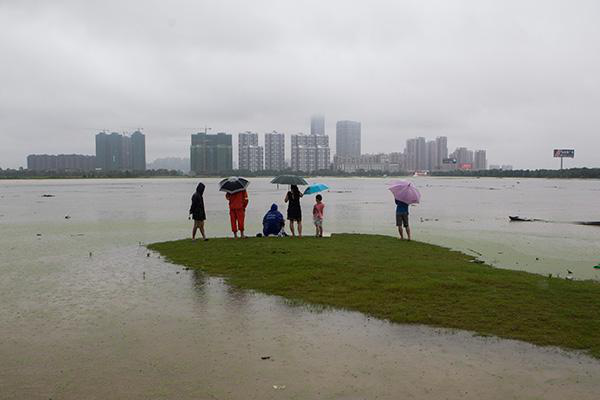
(237,211)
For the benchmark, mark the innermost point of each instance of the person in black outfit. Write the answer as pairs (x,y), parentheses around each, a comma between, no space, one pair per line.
(294,212)
(197,211)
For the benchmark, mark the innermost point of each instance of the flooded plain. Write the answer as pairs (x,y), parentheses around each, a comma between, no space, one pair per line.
(87,312)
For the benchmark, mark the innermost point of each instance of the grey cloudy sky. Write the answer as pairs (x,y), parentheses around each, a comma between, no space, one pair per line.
(517,78)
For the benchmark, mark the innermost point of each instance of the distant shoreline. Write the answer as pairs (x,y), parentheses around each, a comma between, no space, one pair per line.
(571,173)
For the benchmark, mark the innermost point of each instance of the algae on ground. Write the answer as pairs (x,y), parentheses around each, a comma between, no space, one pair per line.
(405,282)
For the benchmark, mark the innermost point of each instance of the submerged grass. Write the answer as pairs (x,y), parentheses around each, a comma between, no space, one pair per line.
(405,282)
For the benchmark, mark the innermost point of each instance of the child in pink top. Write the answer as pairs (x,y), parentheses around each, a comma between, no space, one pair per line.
(318,215)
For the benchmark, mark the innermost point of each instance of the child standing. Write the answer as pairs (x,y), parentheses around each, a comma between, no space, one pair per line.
(318,215)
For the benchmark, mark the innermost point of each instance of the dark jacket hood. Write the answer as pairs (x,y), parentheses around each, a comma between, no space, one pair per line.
(274,207)
(200,189)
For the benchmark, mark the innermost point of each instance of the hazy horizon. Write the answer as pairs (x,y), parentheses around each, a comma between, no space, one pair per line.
(516,78)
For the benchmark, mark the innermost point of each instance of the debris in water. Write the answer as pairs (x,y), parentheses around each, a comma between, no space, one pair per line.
(90,253)
(144,275)
(476,252)
(265,358)
(569,276)
(48,195)
(67,217)
(177,272)
(597,266)
(38,234)
(147,254)
(278,387)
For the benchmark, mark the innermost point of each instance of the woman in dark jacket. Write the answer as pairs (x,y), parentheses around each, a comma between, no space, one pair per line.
(197,211)
(294,212)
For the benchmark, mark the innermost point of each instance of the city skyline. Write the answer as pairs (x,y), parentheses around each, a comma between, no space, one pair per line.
(307,152)
(477,72)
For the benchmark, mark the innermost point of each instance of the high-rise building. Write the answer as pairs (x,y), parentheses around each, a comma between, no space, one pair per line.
(310,153)
(250,154)
(479,162)
(109,150)
(347,139)
(410,154)
(61,162)
(432,155)
(274,151)
(138,151)
(421,154)
(116,152)
(442,151)
(416,154)
(211,153)
(126,157)
(317,125)
(464,157)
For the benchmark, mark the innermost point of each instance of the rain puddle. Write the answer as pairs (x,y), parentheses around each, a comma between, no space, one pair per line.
(120,324)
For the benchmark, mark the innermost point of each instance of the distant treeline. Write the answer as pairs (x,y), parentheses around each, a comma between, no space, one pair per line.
(324,172)
(27,174)
(579,173)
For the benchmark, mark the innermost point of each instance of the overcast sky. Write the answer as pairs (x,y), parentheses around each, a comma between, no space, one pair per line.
(517,78)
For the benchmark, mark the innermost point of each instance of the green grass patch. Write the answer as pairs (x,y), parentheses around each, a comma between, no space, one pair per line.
(405,282)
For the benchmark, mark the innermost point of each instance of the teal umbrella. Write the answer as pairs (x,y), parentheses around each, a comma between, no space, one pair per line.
(289,180)
(316,188)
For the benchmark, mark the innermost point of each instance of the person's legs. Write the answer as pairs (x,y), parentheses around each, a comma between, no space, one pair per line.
(406,227)
(399,225)
(407,232)
(233,219)
(321,229)
(241,216)
(194,229)
(201,227)
(299,228)
(292,228)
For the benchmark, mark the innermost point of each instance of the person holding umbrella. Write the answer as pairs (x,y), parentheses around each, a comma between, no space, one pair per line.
(402,218)
(405,193)
(236,194)
(197,211)
(294,212)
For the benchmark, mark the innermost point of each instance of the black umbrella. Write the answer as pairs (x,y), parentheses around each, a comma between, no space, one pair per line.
(289,180)
(233,184)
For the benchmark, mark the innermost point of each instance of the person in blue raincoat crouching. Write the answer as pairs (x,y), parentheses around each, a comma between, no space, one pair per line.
(273,222)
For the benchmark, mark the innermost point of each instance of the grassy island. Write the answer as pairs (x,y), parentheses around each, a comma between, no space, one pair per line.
(405,282)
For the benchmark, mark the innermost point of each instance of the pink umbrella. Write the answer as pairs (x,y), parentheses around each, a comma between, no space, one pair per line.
(405,192)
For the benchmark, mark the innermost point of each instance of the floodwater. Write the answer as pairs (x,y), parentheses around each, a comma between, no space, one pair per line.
(85,313)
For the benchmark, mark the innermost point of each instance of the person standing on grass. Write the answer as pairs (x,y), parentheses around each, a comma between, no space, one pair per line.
(318,215)
(237,211)
(197,211)
(294,212)
(402,218)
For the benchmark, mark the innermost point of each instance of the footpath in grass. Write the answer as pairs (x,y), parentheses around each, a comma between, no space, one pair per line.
(405,282)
